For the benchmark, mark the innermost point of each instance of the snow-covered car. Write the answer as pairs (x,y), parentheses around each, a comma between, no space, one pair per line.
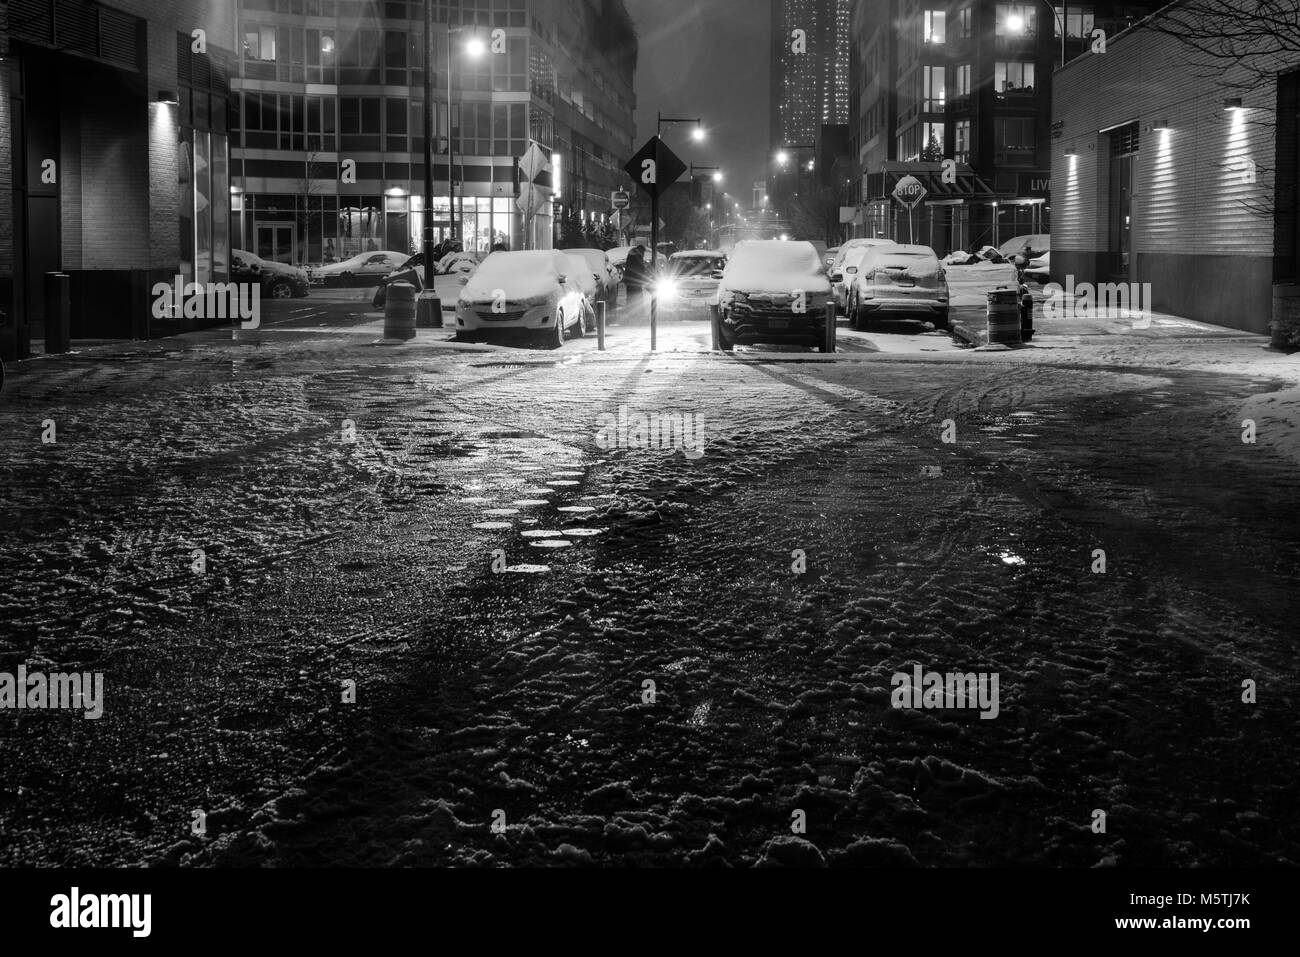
(606,275)
(772,292)
(900,281)
(1039,269)
(457,263)
(278,281)
(836,268)
(523,292)
(581,275)
(690,285)
(1021,250)
(618,259)
(847,273)
(367,269)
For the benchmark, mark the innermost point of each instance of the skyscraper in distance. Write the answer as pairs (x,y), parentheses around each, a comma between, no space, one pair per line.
(810,69)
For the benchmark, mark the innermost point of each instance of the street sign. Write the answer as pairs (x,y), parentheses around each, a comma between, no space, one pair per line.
(655,168)
(620,199)
(534,163)
(616,220)
(910,192)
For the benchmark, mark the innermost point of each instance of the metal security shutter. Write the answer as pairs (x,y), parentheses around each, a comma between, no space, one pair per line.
(82,27)
(120,37)
(32,20)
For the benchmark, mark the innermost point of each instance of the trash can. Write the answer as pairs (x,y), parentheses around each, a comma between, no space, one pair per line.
(1285,326)
(58,312)
(1004,317)
(429,311)
(399,312)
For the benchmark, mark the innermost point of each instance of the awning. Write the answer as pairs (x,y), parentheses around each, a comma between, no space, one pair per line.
(968,188)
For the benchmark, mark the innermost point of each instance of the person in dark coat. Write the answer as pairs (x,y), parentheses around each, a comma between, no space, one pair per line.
(636,275)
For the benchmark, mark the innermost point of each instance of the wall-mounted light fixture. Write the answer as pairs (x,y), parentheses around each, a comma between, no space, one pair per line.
(1070,151)
(169,97)
(1160,125)
(1232,103)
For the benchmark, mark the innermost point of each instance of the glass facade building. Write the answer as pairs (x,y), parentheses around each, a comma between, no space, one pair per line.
(328,121)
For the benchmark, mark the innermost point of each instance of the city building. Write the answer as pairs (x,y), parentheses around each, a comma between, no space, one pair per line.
(810,81)
(112,158)
(967,81)
(1175,166)
(329,118)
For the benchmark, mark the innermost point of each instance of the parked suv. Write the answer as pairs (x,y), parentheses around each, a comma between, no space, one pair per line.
(905,281)
(772,292)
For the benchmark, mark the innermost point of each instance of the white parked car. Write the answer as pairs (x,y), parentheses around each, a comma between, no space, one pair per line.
(839,282)
(906,281)
(1021,250)
(367,269)
(524,292)
(690,286)
(603,271)
(1039,269)
(772,292)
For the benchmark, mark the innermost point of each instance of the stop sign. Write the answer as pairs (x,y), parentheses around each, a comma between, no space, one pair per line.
(910,191)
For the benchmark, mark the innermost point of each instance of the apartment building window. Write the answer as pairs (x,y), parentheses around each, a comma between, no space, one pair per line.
(359,124)
(1017,20)
(1079,22)
(359,58)
(1015,141)
(933,77)
(395,124)
(961,86)
(936,27)
(932,142)
(961,135)
(259,43)
(1013,78)
(965,21)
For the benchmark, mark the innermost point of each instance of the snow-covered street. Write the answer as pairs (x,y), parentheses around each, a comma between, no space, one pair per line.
(376,604)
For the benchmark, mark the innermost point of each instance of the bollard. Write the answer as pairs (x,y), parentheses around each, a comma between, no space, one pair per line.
(58,312)
(715,323)
(654,321)
(428,313)
(832,332)
(399,312)
(600,325)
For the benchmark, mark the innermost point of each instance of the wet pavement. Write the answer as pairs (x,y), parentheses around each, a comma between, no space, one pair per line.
(436,527)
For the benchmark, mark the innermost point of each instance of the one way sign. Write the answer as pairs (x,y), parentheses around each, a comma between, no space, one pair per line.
(655,168)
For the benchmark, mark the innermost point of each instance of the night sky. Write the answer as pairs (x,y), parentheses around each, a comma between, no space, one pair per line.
(707,58)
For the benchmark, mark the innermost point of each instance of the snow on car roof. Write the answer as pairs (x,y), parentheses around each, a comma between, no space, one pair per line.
(519,274)
(778,267)
(700,254)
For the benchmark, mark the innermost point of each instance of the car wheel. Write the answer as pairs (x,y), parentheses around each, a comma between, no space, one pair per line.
(346,280)
(720,335)
(557,332)
(580,327)
(282,289)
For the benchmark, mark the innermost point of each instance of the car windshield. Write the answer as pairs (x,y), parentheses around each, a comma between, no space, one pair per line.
(694,267)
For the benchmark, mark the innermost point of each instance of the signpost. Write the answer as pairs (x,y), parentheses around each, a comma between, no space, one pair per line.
(654,169)
(911,193)
(620,199)
(531,199)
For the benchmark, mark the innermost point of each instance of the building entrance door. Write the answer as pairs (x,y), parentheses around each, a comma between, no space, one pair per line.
(276,242)
(1125,146)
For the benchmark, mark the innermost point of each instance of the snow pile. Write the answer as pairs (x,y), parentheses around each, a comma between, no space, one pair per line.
(970,285)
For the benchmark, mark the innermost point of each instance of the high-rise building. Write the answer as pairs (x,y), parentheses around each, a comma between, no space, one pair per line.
(810,69)
(967,81)
(328,129)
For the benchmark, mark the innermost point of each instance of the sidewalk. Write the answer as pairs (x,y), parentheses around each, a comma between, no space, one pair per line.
(970,325)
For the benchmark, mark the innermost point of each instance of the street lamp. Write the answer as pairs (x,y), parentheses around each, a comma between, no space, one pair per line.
(1016,22)
(697,134)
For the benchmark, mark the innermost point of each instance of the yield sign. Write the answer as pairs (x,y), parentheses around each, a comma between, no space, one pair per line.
(534,163)
(655,168)
(910,192)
